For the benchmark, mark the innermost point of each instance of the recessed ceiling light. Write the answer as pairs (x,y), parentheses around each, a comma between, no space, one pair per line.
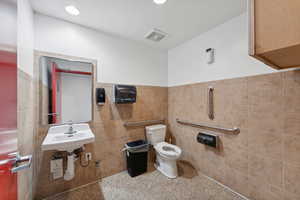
(159,1)
(72,10)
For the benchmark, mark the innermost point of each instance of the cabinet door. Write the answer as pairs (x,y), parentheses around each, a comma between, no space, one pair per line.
(275,32)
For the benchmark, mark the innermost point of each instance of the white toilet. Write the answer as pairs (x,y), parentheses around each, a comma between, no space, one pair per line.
(166,154)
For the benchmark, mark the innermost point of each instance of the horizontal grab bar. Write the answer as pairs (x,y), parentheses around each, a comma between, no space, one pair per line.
(143,123)
(234,130)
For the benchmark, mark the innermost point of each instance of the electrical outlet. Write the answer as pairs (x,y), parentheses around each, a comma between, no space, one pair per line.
(88,156)
(97,163)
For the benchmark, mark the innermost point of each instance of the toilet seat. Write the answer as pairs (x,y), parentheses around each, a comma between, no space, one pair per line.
(168,150)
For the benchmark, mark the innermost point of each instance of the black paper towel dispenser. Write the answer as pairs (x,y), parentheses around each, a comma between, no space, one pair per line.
(124,94)
(100,96)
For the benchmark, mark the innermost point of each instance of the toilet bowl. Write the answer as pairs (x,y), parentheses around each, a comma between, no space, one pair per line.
(166,159)
(166,154)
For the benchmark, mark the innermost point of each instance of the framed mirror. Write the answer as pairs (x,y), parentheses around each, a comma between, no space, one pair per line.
(66,90)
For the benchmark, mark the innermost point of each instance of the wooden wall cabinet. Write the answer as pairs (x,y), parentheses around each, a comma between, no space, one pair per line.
(275,32)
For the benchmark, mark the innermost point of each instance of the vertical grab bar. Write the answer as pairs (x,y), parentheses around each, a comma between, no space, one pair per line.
(210,103)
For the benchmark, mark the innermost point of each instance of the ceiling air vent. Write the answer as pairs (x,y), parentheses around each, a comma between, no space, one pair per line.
(156,35)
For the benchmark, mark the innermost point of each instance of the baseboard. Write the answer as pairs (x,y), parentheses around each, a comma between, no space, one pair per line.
(224,186)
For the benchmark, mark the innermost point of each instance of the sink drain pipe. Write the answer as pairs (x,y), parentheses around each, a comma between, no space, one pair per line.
(70,172)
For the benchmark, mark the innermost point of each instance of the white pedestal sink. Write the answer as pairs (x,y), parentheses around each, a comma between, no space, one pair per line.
(60,138)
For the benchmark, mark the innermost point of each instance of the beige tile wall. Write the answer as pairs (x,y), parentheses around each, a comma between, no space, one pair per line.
(111,136)
(260,163)
(263,161)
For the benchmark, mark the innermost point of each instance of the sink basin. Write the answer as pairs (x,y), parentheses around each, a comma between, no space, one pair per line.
(58,138)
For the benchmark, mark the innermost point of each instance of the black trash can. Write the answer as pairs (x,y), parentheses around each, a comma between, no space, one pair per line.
(137,157)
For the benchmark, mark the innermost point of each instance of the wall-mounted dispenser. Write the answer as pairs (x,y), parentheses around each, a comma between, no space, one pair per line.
(100,96)
(124,94)
(56,165)
(208,139)
(210,53)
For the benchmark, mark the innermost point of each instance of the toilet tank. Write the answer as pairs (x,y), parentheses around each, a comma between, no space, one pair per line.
(156,133)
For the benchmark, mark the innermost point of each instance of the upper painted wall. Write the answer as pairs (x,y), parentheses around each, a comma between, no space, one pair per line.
(8,17)
(25,37)
(119,60)
(187,63)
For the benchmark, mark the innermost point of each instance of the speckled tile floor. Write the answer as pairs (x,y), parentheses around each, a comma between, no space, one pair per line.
(154,185)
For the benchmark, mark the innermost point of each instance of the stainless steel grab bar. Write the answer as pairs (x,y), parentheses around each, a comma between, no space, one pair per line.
(234,130)
(210,103)
(143,123)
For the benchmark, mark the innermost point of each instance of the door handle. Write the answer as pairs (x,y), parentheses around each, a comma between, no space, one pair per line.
(53,114)
(21,159)
(15,159)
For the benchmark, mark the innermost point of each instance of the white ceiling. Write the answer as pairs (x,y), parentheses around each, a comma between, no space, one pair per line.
(133,19)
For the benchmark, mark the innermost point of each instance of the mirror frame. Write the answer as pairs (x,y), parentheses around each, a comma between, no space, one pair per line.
(38,55)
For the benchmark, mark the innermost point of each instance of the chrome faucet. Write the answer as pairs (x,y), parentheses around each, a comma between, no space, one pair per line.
(71,130)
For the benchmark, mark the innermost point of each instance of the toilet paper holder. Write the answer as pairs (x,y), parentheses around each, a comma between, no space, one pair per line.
(208,139)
